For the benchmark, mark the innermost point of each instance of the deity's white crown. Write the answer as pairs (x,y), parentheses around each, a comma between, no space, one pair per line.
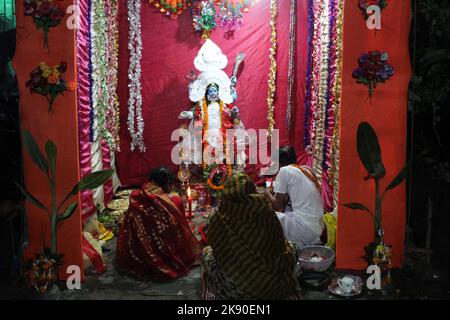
(210,57)
(210,61)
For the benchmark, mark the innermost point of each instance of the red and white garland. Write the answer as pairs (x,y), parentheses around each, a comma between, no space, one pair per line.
(112,53)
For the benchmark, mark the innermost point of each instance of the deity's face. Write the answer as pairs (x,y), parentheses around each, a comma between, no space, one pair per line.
(212,93)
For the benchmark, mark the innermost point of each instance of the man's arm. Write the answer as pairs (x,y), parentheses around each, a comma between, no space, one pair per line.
(278,200)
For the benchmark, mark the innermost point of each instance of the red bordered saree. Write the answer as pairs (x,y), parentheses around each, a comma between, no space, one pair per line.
(155,239)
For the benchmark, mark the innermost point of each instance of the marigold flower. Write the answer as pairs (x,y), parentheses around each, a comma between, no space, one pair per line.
(46,73)
(71,86)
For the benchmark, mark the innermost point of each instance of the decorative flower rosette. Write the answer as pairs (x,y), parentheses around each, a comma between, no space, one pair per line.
(42,271)
(380,254)
(230,13)
(216,176)
(170,8)
(49,82)
(373,69)
(46,14)
(203,17)
(364,4)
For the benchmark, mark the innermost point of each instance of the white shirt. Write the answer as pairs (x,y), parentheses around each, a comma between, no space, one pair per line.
(306,201)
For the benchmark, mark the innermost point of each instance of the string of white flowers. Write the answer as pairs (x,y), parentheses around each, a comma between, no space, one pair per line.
(134,75)
(99,71)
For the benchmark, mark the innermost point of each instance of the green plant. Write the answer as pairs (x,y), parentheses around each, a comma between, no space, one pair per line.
(48,166)
(369,152)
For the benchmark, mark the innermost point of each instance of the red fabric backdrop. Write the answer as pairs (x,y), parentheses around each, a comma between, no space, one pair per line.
(387,115)
(60,126)
(169,49)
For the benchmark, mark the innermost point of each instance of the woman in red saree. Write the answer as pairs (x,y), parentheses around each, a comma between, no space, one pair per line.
(155,239)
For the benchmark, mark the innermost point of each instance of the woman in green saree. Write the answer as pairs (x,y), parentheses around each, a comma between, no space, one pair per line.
(248,256)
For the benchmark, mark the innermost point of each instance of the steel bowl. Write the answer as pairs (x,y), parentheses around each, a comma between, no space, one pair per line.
(307,252)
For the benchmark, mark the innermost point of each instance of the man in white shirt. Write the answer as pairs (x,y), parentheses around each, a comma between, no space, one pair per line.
(297,193)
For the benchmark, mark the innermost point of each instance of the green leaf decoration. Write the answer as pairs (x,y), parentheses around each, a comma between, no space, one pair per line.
(31,198)
(357,206)
(369,150)
(68,212)
(51,150)
(92,181)
(33,150)
(398,178)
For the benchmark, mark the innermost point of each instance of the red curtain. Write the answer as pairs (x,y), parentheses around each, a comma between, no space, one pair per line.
(169,49)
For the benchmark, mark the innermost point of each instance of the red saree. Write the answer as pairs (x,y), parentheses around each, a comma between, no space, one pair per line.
(155,238)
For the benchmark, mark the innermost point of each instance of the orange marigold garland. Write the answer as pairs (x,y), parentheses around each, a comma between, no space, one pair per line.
(213,173)
(205,131)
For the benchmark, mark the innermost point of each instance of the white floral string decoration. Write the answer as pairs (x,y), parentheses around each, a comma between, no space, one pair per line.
(100,97)
(134,75)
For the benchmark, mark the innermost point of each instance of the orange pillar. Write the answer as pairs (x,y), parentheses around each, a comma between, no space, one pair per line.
(388,116)
(59,126)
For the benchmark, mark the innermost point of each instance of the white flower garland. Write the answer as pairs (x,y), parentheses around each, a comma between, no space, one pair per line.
(134,75)
(99,71)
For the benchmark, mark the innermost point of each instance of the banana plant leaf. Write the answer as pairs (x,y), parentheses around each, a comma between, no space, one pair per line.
(33,150)
(68,212)
(369,151)
(357,206)
(51,150)
(398,178)
(31,198)
(92,181)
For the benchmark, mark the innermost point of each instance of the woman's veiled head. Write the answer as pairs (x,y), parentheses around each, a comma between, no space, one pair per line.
(238,186)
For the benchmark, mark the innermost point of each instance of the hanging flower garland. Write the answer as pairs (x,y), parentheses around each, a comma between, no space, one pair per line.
(225,141)
(100,97)
(319,92)
(90,72)
(306,141)
(113,117)
(315,70)
(205,136)
(329,120)
(170,8)
(291,71)
(364,4)
(134,75)
(333,171)
(273,67)
(323,89)
(205,131)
